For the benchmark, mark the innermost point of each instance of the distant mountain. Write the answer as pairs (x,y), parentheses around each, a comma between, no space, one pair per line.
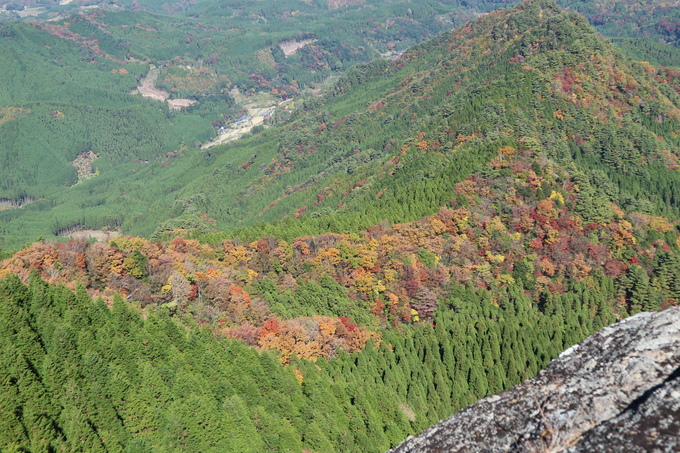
(612,392)
(644,30)
(394,137)
(435,229)
(649,18)
(426,121)
(68,89)
(441,95)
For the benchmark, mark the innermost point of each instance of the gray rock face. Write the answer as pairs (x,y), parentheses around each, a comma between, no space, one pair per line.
(617,391)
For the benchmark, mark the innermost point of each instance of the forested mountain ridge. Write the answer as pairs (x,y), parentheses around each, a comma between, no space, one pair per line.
(232,58)
(534,228)
(82,376)
(276,174)
(441,111)
(528,176)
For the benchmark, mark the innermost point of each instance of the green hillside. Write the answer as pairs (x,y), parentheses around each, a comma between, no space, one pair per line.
(65,92)
(435,229)
(56,106)
(152,178)
(394,137)
(502,191)
(80,376)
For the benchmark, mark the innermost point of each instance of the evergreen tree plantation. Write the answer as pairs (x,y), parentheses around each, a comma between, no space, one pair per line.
(79,375)
(405,236)
(66,87)
(66,91)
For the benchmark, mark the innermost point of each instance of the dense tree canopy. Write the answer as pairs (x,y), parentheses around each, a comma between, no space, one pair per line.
(436,228)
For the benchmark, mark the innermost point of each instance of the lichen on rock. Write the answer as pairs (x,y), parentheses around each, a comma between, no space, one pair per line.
(617,391)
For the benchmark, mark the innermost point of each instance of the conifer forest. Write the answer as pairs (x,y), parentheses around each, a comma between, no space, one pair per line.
(323,225)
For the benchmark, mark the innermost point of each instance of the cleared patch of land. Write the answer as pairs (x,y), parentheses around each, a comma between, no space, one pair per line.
(177,104)
(290,46)
(148,89)
(83,164)
(6,203)
(257,112)
(99,235)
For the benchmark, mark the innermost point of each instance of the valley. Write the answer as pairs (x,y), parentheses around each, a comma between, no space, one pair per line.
(200,102)
(236,227)
(257,111)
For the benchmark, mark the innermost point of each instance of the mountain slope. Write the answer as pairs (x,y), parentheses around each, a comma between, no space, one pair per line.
(583,145)
(443,109)
(77,100)
(83,376)
(516,145)
(393,137)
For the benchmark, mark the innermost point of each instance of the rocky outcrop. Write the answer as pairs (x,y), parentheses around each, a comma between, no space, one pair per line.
(617,391)
(335,4)
(83,164)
